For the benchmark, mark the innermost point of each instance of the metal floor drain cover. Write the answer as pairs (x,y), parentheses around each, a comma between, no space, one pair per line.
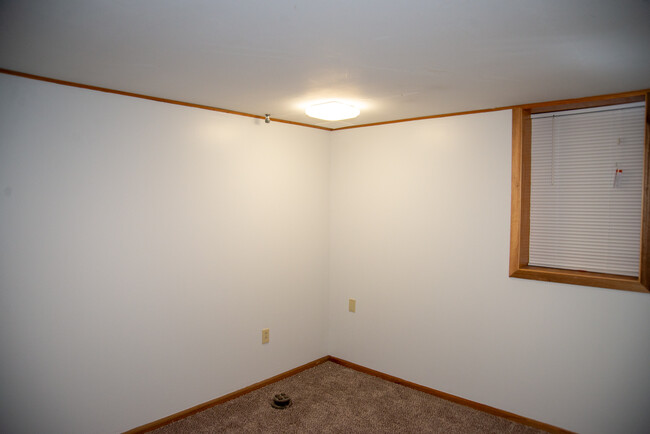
(281,401)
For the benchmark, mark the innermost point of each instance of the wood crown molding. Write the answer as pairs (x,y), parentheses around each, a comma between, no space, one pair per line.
(152,98)
(535,107)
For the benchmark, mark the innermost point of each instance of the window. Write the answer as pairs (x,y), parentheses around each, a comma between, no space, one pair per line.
(580,192)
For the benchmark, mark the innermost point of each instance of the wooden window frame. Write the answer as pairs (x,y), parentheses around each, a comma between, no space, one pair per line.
(520,200)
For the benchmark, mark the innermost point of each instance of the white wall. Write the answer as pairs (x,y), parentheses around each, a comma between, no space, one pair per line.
(143,248)
(420,216)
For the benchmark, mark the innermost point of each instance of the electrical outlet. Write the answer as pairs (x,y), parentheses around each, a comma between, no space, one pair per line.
(265,336)
(352,305)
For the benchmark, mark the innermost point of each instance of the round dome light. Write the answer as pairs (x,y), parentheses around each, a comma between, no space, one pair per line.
(332,111)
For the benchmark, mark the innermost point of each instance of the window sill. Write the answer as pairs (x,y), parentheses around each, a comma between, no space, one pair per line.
(585,278)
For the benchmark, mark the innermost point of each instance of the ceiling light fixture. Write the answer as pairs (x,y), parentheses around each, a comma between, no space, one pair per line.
(332,111)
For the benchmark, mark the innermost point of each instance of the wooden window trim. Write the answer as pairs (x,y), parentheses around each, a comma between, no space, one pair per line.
(520,201)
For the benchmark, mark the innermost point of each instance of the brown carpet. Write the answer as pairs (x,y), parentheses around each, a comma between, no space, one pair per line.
(330,398)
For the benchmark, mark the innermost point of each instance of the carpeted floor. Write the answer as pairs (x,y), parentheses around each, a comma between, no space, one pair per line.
(330,398)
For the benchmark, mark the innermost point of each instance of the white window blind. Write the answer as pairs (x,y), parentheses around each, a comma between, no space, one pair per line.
(586,186)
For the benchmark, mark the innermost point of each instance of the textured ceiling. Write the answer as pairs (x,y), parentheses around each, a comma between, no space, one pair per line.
(395,59)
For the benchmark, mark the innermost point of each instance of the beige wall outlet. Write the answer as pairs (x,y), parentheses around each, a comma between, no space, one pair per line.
(352,305)
(265,336)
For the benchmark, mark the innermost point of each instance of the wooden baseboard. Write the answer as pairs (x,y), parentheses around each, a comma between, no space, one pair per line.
(197,408)
(449,397)
(453,398)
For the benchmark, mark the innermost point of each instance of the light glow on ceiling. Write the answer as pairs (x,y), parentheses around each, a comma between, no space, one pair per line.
(333,111)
